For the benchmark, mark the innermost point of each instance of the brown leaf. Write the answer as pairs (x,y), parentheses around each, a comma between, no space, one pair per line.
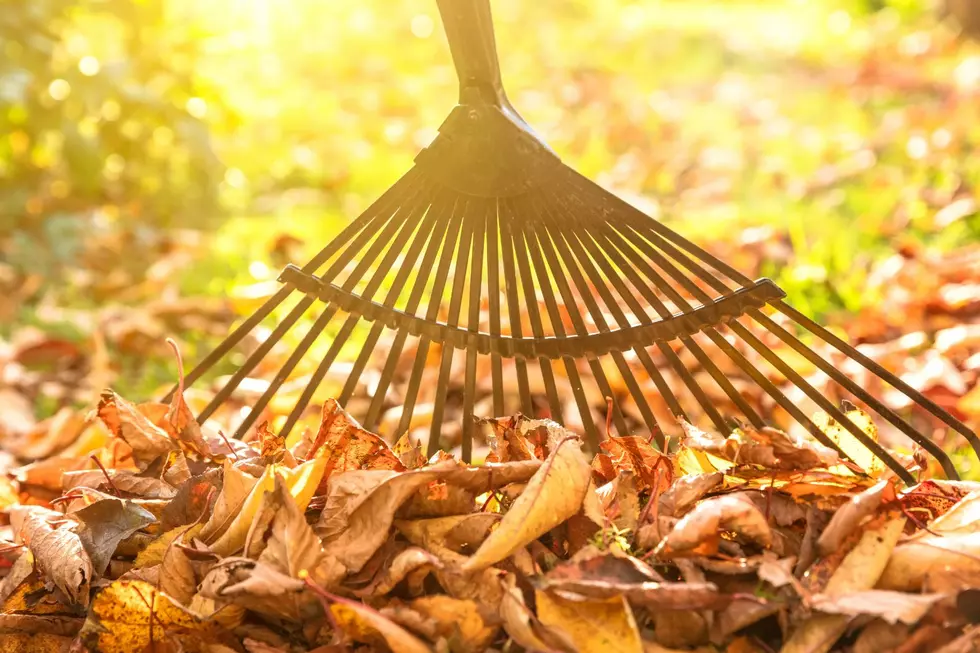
(652,469)
(911,562)
(507,443)
(179,421)
(236,487)
(688,490)
(57,549)
(293,548)
(354,533)
(892,607)
(191,500)
(59,625)
(413,564)
(129,422)
(699,532)
(453,533)
(260,588)
(106,523)
(348,445)
(860,570)
(553,494)
(848,517)
(128,482)
(767,447)
(456,621)
(177,576)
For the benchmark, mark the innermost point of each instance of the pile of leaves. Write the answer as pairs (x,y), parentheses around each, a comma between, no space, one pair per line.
(170,537)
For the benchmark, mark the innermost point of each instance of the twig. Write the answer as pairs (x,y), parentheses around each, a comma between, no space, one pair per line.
(108,478)
(228,444)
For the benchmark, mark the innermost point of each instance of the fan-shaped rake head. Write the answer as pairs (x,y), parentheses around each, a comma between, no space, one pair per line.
(493,278)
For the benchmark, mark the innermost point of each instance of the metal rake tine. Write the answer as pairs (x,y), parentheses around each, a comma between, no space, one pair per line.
(444,212)
(359,225)
(825,404)
(505,219)
(778,363)
(533,244)
(524,245)
(549,243)
(315,330)
(662,387)
(398,221)
(837,376)
(493,293)
(473,326)
(384,205)
(395,251)
(411,259)
(233,339)
(770,388)
(455,303)
(931,407)
(659,306)
(255,358)
(622,209)
(578,320)
(658,281)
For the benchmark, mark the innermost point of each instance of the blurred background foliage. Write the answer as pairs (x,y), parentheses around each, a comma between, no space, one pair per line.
(172,155)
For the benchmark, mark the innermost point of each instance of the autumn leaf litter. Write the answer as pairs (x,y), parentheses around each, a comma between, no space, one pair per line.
(173,538)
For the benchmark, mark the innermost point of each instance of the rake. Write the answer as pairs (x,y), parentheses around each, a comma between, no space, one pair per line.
(509,282)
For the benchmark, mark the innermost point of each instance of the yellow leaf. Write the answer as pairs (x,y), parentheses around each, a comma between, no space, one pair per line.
(129,616)
(554,494)
(849,444)
(363,624)
(594,626)
(153,554)
(235,490)
(301,482)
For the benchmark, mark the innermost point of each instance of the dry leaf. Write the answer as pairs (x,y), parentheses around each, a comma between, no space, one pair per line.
(129,616)
(106,523)
(553,494)
(892,607)
(128,422)
(57,549)
(699,532)
(593,626)
(363,624)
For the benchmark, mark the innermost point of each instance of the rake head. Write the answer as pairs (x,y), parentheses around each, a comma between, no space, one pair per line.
(493,278)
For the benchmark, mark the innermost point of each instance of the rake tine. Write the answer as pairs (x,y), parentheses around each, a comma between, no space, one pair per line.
(523,243)
(777,363)
(376,211)
(644,357)
(859,392)
(771,389)
(825,404)
(315,330)
(493,293)
(658,305)
(546,244)
(578,320)
(716,374)
(255,358)
(455,303)
(835,374)
(398,221)
(407,231)
(828,337)
(513,303)
(473,325)
(233,339)
(411,258)
(554,316)
(386,205)
(445,216)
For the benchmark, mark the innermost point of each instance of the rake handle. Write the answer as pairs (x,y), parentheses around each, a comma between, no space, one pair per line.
(469,29)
